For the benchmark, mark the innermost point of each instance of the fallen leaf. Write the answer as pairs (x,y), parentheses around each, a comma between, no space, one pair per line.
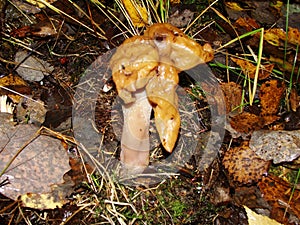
(234,6)
(277,193)
(246,122)
(32,68)
(277,5)
(248,23)
(270,95)
(16,84)
(243,165)
(31,111)
(279,146)
(285,66)
(249,69)
(294,100)
(42,162)
(233,96)
(256,219)
(277,36)
(137,13)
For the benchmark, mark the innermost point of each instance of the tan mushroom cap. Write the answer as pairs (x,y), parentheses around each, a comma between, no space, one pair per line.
(183,52)
(132,65)
(161,92)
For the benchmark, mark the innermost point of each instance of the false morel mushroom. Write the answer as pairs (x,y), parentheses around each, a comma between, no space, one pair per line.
(145,71)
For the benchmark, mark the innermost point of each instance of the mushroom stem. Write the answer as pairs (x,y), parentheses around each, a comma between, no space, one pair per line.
(135,144)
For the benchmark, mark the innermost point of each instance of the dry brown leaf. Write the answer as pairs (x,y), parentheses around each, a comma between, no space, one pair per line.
(249,69)
(246,122)
(294,100)
(270,95)
(278,192)
(248,23)
(233,96)
(243,165)
(14,83)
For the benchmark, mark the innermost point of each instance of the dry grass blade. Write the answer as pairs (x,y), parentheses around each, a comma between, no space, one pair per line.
(204,11)
(72,18)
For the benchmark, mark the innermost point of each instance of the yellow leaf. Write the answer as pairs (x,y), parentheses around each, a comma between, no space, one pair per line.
(277,5)
(234,6)
(256,219)
(175,1)
(272,38)
(137,13)
(42,201)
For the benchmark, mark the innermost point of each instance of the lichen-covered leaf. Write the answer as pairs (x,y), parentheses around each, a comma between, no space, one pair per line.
(279,146)
(42,163)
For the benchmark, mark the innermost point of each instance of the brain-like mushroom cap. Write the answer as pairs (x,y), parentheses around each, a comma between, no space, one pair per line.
(133,65)
(179,50)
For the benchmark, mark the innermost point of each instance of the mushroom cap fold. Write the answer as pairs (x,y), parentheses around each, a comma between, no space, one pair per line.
(161,92)
(183,52)
(133,65)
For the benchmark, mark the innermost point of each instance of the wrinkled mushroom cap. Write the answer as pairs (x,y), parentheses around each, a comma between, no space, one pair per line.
(161,92)
(181,51)
(133,65)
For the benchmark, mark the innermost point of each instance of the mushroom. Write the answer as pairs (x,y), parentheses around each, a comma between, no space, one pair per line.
(145,70)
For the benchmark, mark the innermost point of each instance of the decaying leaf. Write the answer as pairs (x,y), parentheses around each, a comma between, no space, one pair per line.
(234,6)
(249,69)
(246,122)
(31,111)
(270,95)
(32,68)
(277,36)
(42,163)
(243,165)
(16,84)
(248,23)
(137,13)
(279,146)
(233,96)
(277,193)
(294,100)
(256,219)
